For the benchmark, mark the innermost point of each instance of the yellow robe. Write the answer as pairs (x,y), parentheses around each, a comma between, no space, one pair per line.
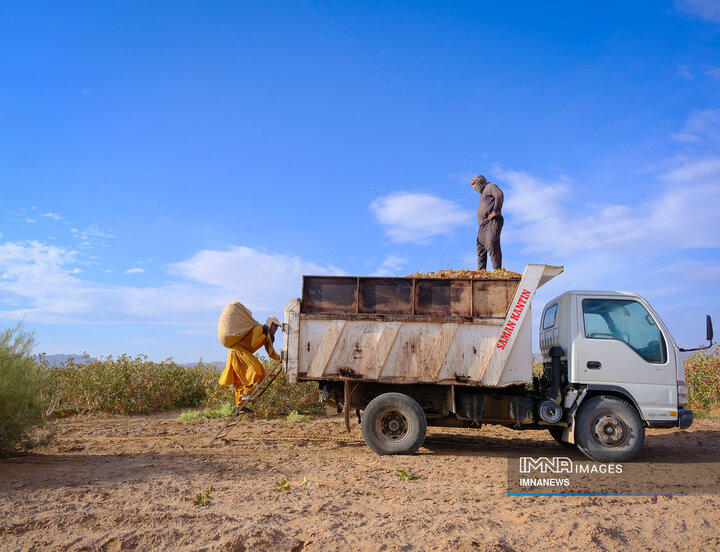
(242,369)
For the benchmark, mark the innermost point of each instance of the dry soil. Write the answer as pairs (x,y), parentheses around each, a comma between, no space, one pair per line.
(129,483)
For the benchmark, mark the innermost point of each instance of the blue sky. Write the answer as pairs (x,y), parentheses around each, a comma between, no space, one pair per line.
(160,159)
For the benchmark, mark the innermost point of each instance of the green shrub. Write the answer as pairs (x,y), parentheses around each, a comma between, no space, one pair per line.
(295,417)
(702,374)
(203,499)
(406,475)
(223,411)
(22,402)
(281,399)
(127,385)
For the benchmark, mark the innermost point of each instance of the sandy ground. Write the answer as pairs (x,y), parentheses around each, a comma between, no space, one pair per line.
(128,483)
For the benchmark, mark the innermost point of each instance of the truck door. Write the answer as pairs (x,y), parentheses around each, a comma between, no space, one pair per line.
(620,344)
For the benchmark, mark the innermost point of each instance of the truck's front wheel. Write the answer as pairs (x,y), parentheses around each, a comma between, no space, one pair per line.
(609,429)
(394,423)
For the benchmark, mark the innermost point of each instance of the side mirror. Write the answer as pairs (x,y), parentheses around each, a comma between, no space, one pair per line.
(708,333)
(708,328)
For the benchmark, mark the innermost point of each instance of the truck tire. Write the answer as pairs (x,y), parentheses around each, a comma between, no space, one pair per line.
(557,433)
(609,429)
(394,423)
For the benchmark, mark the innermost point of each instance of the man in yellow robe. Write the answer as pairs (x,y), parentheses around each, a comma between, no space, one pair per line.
(242,369)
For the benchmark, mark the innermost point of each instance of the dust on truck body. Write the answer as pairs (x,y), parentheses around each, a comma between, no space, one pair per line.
(413,352)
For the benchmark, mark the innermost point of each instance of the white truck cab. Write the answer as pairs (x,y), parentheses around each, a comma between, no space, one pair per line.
(615,344)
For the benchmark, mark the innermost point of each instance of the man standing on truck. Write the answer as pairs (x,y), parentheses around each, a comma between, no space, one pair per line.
(490,222)
(242,369)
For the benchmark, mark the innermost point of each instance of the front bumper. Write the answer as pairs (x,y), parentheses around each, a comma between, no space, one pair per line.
(685,418)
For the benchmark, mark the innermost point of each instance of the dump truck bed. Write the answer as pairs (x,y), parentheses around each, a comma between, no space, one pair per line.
(413,330)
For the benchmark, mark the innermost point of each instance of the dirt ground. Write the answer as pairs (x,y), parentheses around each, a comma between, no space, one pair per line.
(129,483)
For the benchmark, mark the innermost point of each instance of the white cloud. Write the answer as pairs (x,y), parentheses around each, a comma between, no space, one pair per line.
(92,236)
(706,9)
(701,125)
(417,217)
(39,282)
(53,216)
(684,72)
(391,266)
(29,220)
(37,272)
(134,271)
(92,232)
(264,281)
(33,260)
(713,73)
(681,214)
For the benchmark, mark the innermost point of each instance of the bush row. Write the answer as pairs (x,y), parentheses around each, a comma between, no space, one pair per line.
(702,373)
(136,385)
(129,385)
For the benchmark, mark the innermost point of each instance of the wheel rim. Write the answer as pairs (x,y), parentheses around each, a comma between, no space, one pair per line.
(610,431)
(392,425)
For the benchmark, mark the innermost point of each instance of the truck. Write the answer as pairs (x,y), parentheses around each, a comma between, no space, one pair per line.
(408,353)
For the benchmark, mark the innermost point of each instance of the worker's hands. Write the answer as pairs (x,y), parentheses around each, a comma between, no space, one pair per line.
(272,324)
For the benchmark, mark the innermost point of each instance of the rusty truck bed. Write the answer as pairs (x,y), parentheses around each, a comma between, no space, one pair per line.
(412,330)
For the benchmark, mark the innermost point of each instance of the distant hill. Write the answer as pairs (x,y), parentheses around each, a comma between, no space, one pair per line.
(219,364)
(57,360)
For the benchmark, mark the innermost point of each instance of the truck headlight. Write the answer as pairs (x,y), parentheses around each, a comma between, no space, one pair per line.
(682,389)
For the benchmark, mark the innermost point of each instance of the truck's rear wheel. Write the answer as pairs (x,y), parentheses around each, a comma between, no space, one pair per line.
(394,423)
(609,429)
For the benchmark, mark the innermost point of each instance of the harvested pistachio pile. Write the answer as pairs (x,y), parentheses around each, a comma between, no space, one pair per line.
(501,274)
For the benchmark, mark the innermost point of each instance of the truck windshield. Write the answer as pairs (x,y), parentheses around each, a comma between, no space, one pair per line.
(627,321)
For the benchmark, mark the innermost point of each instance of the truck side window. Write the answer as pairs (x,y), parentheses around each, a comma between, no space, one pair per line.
(549,317)
(628,321)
